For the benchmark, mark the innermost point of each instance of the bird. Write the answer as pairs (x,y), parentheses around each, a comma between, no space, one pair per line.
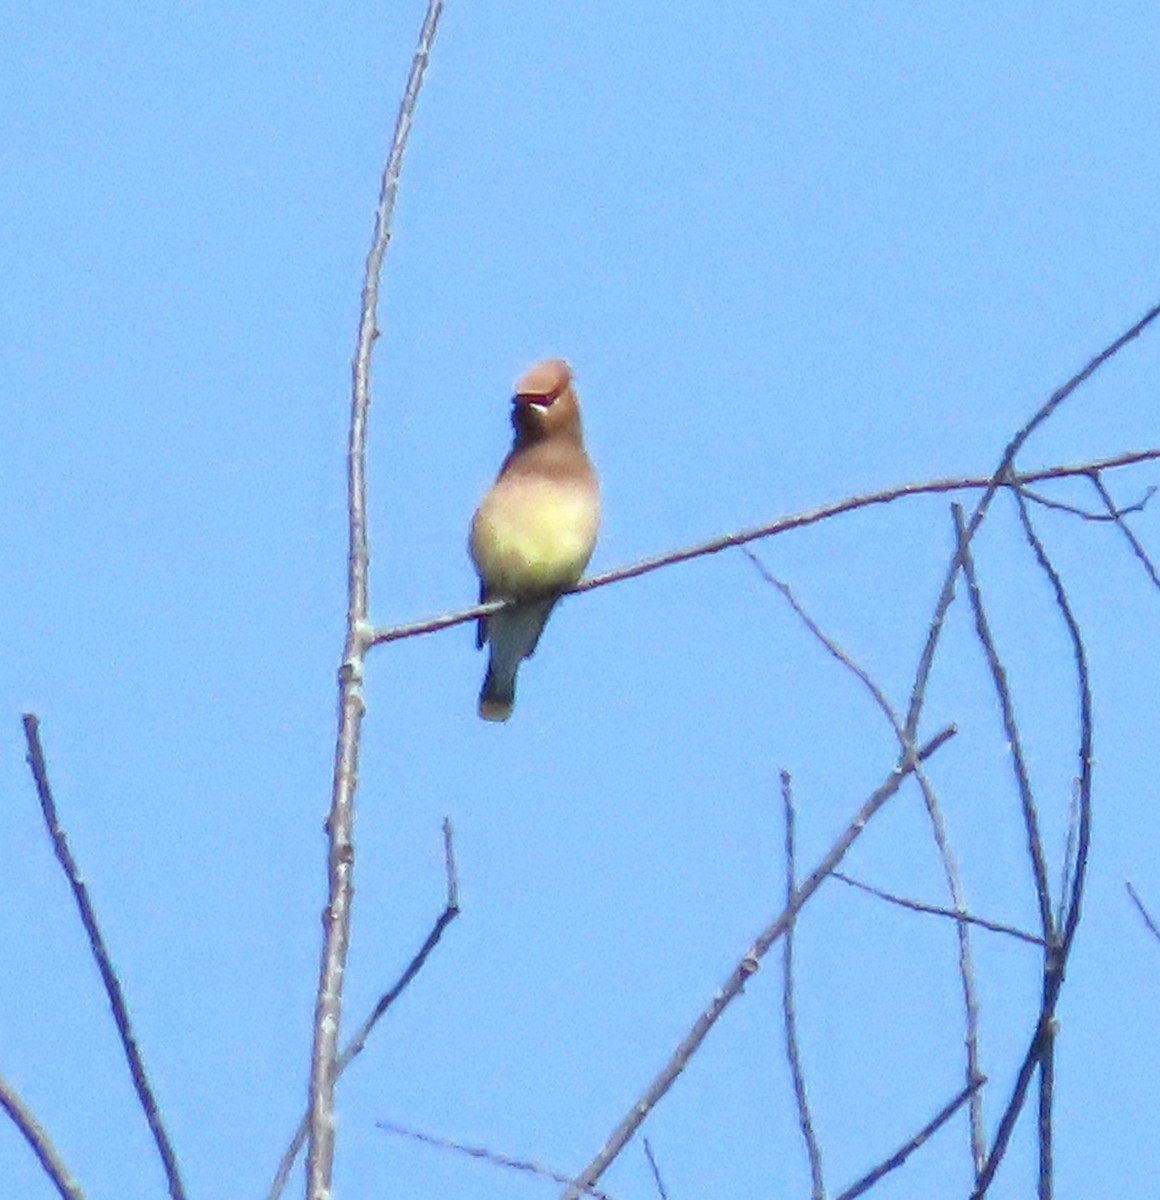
(535,528)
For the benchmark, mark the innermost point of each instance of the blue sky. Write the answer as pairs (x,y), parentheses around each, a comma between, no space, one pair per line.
(792,253)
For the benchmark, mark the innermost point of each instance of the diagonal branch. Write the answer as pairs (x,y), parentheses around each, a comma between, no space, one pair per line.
(41,1143)
(1117,515)
(100,954)
(751,962)
(1147,917)
(908,1148)
(358,1042)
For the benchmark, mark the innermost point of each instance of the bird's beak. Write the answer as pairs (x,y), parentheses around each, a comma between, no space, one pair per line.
(535,399)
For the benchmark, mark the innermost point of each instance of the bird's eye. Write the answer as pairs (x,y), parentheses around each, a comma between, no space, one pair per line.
(534,398)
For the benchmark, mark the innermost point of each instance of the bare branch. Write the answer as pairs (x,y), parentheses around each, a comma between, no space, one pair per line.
(1041,1049)
(751,962)
(1117,515)
(656,1171)
(788,1007)
(908,1148)
(1074,901)
(358,1042)
(1011,729)
(393,633)
(35,1135)
(1082,513)
(351,705)
(500,1160)
(939,911)
(938,830)
(1153,929)
(100,954)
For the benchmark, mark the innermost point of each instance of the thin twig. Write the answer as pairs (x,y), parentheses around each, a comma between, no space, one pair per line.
(656,1171)
(938,911)
(356,1044)
(1083,513)
(41,1144)
(751,962)
(500,1160)
(1004,476)
(942,844)
(1117,515)
(351,704)
(100,953)
(1011,729)
(393,633)
(1074,900)
(1041,1047)
(788,1007)
(908,1148)
(1153,929)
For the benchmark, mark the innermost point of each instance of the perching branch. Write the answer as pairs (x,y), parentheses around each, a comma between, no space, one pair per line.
(100,954)
(382,634)
(351,705)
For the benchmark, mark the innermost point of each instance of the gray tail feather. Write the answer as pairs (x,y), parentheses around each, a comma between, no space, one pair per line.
(513,635)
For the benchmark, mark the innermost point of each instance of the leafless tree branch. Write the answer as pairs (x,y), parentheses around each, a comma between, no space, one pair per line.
(908,1148)
(789,1008)
(1011,729)
(393,633)
(1153,928)
(42,1146)
(1040,1052)
(500,1160)
(942,844)
(351,704)
(1083,513)
(357,1043)
(939,911)
(100,952)
(751,962)
(656,1171)
(1117,515)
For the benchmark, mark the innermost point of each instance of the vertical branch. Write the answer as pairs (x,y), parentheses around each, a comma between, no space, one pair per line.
(100,952)
(351,705)
(1041,1050)
(789,1010)
(1011,729)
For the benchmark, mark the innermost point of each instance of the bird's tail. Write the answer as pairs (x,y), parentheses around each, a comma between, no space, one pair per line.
(513,634)
(497,697)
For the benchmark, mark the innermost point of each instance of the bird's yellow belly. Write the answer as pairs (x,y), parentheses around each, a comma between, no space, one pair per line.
(541,544)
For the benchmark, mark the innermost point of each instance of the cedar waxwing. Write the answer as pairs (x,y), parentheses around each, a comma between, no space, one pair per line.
(534,531)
